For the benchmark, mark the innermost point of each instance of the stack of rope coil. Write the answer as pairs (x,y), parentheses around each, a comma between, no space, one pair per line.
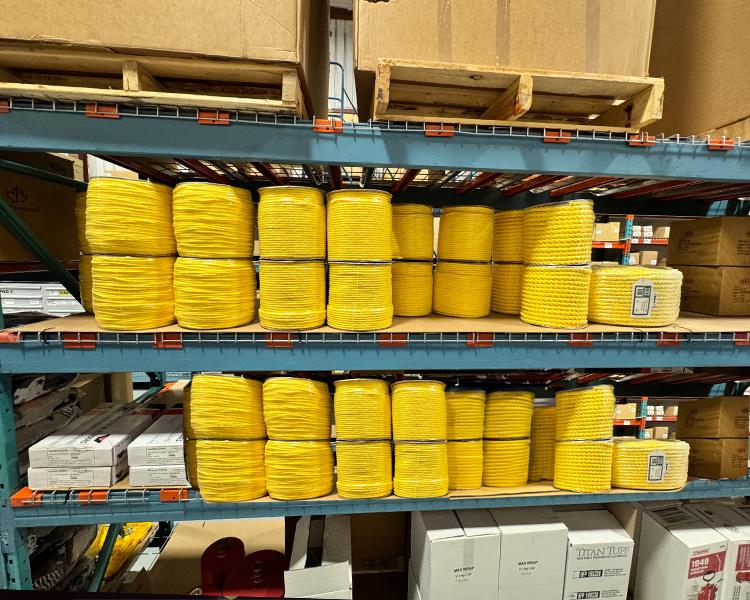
(507,283)
(412,288)
(412,249)
(86,281)
(292,240)
(650,464)
(542,458)
(507,427)
(465,428)
(507,257)
(555,295)
(359,258)
(84,263)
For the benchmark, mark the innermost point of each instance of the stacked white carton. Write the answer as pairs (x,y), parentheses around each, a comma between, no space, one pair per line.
(157,456)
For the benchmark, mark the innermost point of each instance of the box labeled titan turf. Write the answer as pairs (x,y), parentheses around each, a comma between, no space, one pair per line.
(158,476)
(160,444)
(57,478)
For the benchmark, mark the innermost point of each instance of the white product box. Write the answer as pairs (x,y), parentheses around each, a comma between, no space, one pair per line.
(533,546)
(158,476)
(679,556)
(57,478)
(160,444)
(412,589)
(637,231)
(648,231)
(599,556)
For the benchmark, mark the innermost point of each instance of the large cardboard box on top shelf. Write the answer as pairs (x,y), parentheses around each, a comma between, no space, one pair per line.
(720,241)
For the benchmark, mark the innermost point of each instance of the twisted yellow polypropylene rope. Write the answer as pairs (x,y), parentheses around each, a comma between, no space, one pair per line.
(462,289)
(298,470)
(191,463)
(631,464)
(583,466)
(296,409)
(132,292)
(86,282)
(230,471)
(584,413)
(554,296)
(364,469)
(363,409)
(292,294)
(128,216)
(465,464)
(465,414)
(412,288)
(291,223)
(507,283)
(421,470)
(542,458)
(224,407)
(80,213)
(360,296)
(559,233)
(413,232)
(419,410)
(508,415)
(214,293)
(612,296)
(359,225)
(213,221)
(507,246)
(506,463)
(465,233)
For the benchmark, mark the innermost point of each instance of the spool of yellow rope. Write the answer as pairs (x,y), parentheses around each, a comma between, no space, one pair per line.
(465,413)
(292,294)
(86,282)
(507,283)
(462,289)
(230,471)
(506,463)
(583,466)
(363,409)
(585,413)
(213,220)
(465,460)
(420,410)
(291,222)
(132,292)
(638,296)
(465,233)
(359,225)
(508,415)
(421,470)
(413,232)
(80,213)
(224,407)
(298,470)
(542,458)
(191,463)
(412,288)
(650,464)
(214,293)
(559,233)
(360,296)
(507,244)
(364,469)
(128,216)
(555,296)
(296,409)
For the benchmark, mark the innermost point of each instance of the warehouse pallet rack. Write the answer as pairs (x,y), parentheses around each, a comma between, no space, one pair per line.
(507,166)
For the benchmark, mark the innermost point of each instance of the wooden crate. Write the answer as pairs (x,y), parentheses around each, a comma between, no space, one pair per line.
(469,94)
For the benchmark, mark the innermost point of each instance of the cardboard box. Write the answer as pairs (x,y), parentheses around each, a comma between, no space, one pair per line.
(647,231)
(158,476)
(723,291)
(659,410)
(626,412)
(661,433)
(634,258)
(719,417)
(719,241)
(649,258)
(717,459)
(412,588)
(607,232)
(662,232)
(671,411)
(648,433)
(637,231)
(61,478)
(160,444)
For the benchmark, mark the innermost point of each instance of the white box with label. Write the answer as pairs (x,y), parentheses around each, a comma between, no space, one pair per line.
(158,476)
(160,444)
(75,478)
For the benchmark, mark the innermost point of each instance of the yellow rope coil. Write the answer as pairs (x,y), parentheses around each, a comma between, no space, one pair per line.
(508,236)
(583,466)
(230,470)
(506,463)
(132,292)
(80,213)
(508,415)
(128,216)
(465,465)
(213,220)
(292,294)
(413,232)
(299,470)
(412,288)
(214,293)
(364,469)
(465,233)
(507,282)
(650,464)
(296,409)
(420,410)
(559,233)
(462,289)
(617,295)
(585,413)
(553,296)
(362,408)
(542,459)
(360,296)
(421,470)
(191,463)
(224,407)
(86,282)
(465,413)
(291,222)
(359,225)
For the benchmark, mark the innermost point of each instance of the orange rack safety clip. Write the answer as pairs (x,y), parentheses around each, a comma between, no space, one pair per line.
(102,111)
(279,340)
(329,125)
(722,144)
(480,340)
(580,339)
(388,340)
(4,106)
(168,341)
(213,116)
(641,139)
(176,495)
(557,136)
(439,130)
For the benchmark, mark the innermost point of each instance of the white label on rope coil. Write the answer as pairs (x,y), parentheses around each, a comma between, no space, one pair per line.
(644,298)
(657,466)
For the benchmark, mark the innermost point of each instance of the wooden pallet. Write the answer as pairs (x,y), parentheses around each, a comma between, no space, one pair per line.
(62,72)
(468,94)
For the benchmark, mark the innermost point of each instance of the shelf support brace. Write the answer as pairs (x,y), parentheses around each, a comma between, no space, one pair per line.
(104,555)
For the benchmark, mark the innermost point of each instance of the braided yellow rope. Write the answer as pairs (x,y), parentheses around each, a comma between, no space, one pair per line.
(583,466)
(191,463)
(360,296)
(230,471)
(465,233)
(465,413)
(559,233)
(364,469)
(650,464)
(412,288)
(507,281)
(421,470)
(80,213)
(554,296)
(132,293)
(359,225)
(465,465)
(462,289)
(363,409)
(296,409)
(508,236)
(506,463)
(617,295)
(508,415)
(542,458)
(213,221)
(298,470)
(419,410)
(585,413)
(86,282)
(291,222)
(292,294)
(413,232)
(128,216)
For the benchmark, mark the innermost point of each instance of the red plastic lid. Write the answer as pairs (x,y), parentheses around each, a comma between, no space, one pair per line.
(258,575)
(217,560)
